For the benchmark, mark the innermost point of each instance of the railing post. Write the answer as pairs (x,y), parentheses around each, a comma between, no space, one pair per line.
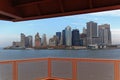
(15,70)
(49,68)
(74,69)
(116,70)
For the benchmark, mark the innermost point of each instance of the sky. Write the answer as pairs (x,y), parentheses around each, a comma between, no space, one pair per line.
(10,31)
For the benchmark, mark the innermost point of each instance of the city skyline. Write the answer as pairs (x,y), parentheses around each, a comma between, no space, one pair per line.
(92,34)
(10,31)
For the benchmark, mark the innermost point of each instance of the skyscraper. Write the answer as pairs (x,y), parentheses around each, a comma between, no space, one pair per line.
(53,41)
(68,36)
(22,40)
(91,32)
(105,34)
(83,39)
(91,29)
(84,30)
(63,38)
(37,41)
(44,40)
(30,41)
(58,34)
(26,42)
(75,37)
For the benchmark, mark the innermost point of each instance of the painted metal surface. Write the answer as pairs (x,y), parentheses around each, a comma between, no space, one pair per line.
(60,69)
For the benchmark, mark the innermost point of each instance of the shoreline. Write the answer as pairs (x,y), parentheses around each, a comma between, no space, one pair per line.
(59,49)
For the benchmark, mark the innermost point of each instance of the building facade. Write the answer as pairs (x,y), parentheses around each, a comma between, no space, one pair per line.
(37,41)
(58,34)
(68,36)
(91,31)
(75,37)
(63,38)
(44,41)
(23,40)
(29,42)
(53,41)
(105,34)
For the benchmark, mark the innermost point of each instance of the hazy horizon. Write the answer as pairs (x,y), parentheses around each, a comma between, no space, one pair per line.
(10,31)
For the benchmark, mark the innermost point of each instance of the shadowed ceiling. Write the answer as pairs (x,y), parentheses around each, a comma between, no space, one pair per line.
(21,10)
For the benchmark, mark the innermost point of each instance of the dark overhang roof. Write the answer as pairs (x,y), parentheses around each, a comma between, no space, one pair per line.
(20,10)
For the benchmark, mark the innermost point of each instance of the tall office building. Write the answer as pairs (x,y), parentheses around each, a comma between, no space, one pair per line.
(58,34)
(29,41)
(68,36)
(75,37)
(105,34)
(44,40)
(53,41)
(83,39)
(84,30)
(26,42)
(22,40)
(63,38)
(91,29)
(91,32)
(37,41)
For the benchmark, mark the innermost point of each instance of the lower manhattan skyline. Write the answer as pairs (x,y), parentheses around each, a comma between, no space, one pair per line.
(10,31)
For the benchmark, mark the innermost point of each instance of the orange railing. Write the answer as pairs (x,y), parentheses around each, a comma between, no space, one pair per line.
(60,69)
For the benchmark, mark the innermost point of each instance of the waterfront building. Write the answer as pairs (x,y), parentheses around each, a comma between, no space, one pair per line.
(91,31)
(84,30)
(37,41)
(63,38)
(83,39)
(96,40)
(58,34)
(105,34)
(22,40)
(75,37)
(28,42)
(68,36)
(44,41)
(16,44)
(53,41)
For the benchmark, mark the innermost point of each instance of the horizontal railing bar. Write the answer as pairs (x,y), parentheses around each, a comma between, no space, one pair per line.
(63,59)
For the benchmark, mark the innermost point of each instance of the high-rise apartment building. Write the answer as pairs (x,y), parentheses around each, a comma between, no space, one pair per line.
(91,32)
(105,34)
(75,37)
(37,41)
(68,36)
